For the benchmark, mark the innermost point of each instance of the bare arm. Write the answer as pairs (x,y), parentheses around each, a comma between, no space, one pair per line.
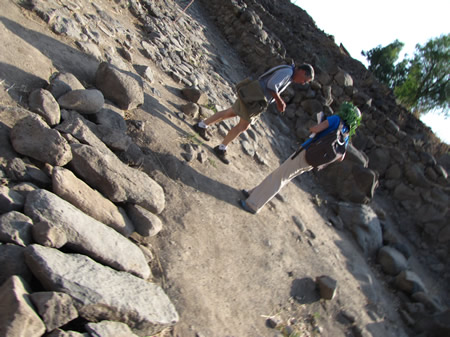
(319,127)
(281,106)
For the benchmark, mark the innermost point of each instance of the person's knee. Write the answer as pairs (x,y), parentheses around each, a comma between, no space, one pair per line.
(229,113)
(243,125)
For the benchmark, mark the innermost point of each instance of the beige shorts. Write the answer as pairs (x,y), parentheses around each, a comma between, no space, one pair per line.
(241,110)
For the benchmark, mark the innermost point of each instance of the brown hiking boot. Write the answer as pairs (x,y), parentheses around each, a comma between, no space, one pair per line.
(221,154)
(201,131)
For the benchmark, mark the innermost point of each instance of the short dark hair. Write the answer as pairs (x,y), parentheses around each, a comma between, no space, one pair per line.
(308,69)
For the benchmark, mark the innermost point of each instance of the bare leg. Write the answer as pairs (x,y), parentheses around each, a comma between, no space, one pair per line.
(240,127)
(220,116)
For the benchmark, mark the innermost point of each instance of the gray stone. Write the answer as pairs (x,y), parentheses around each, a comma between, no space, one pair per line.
(115,180)
(116,140)
(15,228)
(327,287)
(360,183)
(12,262)
(403,192)
(415,175)
(248,148)
(311,106)
(379,160)
(85,101)
(57,221)
(17,316)
(111,117)
(44,104)
(195,96)
(62,333)
(61,83)
(78,193)
(10,200)
(391,260)
(83,130)
(364,224)
(119,86)
(55,308)
(409,282)
(145,222)
(344,79)
(19,170)
(109,329)
(101,293)
(90,48)
(299,223)
(32,137)
(190,109)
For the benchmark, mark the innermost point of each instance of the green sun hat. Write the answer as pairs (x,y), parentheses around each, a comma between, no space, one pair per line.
(351,115)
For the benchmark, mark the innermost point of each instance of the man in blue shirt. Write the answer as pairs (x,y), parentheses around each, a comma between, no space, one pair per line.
(296,164)
(273,83)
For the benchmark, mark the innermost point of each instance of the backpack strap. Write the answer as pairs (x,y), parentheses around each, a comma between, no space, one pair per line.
(272,70)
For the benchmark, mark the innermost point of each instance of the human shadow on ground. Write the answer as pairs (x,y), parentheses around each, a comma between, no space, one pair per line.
(179,170)
(63,57)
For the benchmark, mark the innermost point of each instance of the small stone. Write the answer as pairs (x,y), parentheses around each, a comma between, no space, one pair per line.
(273,321)
(327,287)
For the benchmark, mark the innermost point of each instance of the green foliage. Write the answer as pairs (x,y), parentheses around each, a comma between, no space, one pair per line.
(427,85)
(351,115)
(382,63)
(422,83)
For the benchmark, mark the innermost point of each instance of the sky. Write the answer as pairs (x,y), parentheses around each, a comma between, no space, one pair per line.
(361,25)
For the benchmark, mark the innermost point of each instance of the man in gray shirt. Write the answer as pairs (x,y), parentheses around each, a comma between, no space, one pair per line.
(272,83)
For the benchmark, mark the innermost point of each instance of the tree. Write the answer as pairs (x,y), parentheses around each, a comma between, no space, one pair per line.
(427,85)
(421,83)
(382,63)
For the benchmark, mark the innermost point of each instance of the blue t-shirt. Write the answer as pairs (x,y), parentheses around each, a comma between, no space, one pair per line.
(333,124)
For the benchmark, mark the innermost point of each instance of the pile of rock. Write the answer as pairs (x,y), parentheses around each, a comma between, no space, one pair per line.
(66,254)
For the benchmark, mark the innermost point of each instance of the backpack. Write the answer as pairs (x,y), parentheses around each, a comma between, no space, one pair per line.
(326,149)
(252,95)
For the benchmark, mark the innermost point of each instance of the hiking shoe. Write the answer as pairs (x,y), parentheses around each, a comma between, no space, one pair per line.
(245,207)
(201,131)
(221,154)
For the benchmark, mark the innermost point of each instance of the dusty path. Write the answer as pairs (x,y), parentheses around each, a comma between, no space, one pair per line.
(227,270)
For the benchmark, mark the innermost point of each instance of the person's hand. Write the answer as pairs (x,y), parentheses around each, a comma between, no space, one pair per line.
(281,106)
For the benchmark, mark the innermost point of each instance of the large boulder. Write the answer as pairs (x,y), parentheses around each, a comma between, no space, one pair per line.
(32,137)
(15,227)
(78,193)
(57,223)
(55,308)
(360,182)
(17,316)
(362,221)
(85,101)
(12,262)
(61,83)
(101,293)
(115,180)
(44,104)
(119,86)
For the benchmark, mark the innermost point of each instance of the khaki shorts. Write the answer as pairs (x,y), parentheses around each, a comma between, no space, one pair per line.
(241,110)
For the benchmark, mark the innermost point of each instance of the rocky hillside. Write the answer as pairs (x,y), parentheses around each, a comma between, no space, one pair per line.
(405,162)
(116,220)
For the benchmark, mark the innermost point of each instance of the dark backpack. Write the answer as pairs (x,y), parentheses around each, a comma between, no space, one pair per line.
(326,149)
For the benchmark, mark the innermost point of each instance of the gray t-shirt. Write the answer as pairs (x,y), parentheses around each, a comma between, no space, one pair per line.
(276,81)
